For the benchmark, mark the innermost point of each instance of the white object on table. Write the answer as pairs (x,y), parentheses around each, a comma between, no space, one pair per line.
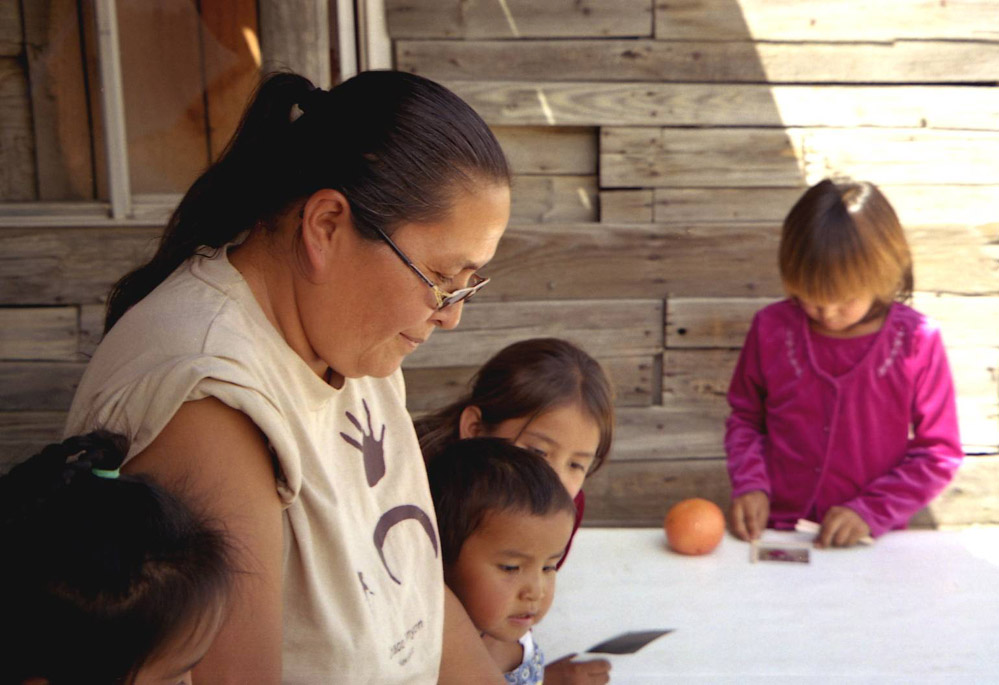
(806,526)
(919,607)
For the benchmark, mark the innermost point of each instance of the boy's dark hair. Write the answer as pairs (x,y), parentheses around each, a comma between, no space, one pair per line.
(100,573)
(474,477)
(528,378)
(397,145)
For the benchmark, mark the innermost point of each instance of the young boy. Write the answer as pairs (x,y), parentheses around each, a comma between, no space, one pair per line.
(505,520)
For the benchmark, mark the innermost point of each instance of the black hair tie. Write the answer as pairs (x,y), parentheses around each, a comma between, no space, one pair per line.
(313,100)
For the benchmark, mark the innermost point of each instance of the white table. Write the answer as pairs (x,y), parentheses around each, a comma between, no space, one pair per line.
(916,607)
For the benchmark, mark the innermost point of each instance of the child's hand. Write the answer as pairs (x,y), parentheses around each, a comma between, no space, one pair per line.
(749,514)
(568,672)
(841,527)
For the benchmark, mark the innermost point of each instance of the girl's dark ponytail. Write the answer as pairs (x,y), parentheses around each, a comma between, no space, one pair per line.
(395,144)
(231,196)
(29,483)
(102,571)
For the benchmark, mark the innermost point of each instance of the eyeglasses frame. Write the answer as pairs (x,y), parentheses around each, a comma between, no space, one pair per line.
(443,298)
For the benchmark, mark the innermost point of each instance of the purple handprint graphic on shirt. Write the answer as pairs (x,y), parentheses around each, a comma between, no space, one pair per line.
(373,452)
(371,449)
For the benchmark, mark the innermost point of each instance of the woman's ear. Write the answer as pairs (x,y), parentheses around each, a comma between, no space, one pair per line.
(324,216)
(470,422)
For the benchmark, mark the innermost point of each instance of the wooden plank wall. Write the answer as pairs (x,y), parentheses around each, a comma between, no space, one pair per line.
(657,146)
(188,69)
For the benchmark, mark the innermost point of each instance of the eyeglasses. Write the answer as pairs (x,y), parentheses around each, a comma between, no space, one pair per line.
(444,298)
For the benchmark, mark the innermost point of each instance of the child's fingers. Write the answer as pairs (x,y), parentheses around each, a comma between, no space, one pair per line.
(755,508)
(841,538)
(852,533)
(841,527)
(830,527)
(753,526)
(761,513)
(738,518)
(568,672)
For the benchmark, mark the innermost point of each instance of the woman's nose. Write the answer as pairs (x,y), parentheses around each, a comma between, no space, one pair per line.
(448,317)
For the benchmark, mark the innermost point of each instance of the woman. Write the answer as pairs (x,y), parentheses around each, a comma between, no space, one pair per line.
(255,360)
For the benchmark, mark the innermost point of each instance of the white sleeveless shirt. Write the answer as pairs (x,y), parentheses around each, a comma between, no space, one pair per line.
(363,584)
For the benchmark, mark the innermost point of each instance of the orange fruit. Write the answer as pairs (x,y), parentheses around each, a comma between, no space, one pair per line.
(694,526)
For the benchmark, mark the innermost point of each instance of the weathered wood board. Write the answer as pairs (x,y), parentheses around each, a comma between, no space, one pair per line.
(517,18)
(663,157)
(551,261)
(546,198)
(916,205)
(604,328)
(829,20)
(534,150)
(596,103)
(71,265)
(574,261)
(34,386)
(427,389)
(735,61)
(627,206)
(11,37)
(17,154)
(39,333)
(25,433)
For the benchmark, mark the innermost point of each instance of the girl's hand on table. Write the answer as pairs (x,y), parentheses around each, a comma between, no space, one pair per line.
(749,514)
(568,672)
(841,527)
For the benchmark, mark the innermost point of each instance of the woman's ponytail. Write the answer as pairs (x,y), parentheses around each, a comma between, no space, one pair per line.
(247,184)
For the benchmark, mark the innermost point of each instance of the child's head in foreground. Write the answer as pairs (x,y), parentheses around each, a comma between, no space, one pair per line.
(107,578)
(504,520)
(843,254)
(544,394)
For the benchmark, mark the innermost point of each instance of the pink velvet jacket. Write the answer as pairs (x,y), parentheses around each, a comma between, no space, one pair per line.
(881,439)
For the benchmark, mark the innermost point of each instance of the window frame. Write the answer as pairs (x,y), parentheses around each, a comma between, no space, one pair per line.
(362,43)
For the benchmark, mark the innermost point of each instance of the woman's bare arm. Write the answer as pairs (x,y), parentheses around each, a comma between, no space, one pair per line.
(215,455)
(465,659)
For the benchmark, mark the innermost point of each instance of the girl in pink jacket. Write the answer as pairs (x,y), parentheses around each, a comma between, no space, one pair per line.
(843,408)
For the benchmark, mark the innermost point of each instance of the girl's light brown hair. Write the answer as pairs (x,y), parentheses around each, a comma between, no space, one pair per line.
(526,379)
(841,240)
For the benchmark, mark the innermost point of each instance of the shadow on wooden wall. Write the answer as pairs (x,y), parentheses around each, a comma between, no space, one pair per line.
(695,126)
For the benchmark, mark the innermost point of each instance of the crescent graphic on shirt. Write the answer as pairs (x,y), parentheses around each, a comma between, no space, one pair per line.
(396,515)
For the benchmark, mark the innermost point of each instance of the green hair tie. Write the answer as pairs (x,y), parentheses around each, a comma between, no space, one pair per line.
(106,473)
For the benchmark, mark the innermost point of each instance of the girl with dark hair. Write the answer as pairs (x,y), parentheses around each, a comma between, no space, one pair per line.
(544,394)
(843,407)
(548,396)
(107,578)
(256,359)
